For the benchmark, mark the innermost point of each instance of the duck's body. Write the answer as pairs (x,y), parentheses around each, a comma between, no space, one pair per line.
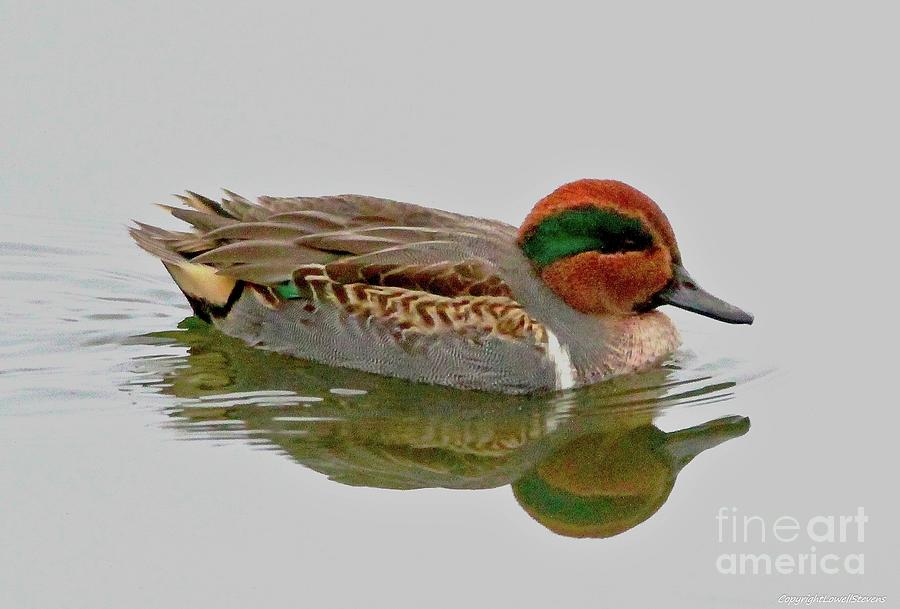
(432,296)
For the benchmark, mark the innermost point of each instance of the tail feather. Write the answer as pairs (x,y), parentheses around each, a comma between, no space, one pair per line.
(204,204)
(209,293)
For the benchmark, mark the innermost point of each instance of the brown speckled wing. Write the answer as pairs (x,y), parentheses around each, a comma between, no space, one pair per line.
(407,311)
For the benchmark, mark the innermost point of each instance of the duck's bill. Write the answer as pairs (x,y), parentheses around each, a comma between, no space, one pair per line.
(684,293)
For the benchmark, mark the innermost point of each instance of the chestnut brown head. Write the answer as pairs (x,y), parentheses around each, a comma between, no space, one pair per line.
(606,248)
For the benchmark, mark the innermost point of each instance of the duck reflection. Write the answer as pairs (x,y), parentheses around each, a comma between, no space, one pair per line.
(589,463)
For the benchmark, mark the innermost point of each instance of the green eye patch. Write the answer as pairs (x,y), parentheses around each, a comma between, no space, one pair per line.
(583,230)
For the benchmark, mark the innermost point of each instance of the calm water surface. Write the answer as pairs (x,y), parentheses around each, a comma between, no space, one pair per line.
(144,451)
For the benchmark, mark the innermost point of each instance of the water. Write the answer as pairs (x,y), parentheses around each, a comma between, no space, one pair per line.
(144,451)
(99,349)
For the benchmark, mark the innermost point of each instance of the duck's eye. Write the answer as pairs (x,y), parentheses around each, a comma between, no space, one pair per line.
(626,235)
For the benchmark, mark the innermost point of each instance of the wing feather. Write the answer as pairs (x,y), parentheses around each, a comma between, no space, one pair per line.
(361,239)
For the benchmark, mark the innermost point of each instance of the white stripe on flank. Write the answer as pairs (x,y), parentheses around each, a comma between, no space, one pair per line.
(559,355)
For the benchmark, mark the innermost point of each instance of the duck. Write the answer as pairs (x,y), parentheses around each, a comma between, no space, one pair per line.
(568,299)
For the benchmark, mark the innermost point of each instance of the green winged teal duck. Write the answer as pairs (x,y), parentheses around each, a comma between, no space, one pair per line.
(566,300)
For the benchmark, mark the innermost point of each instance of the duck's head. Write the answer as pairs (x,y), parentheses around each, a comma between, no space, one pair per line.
(606,248)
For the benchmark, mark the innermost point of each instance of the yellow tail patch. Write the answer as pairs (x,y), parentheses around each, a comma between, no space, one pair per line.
(201,282)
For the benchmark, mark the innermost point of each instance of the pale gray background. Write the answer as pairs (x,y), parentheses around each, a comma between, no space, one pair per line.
(768,133)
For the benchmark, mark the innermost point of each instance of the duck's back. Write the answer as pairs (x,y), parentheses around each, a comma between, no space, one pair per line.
(360,282)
